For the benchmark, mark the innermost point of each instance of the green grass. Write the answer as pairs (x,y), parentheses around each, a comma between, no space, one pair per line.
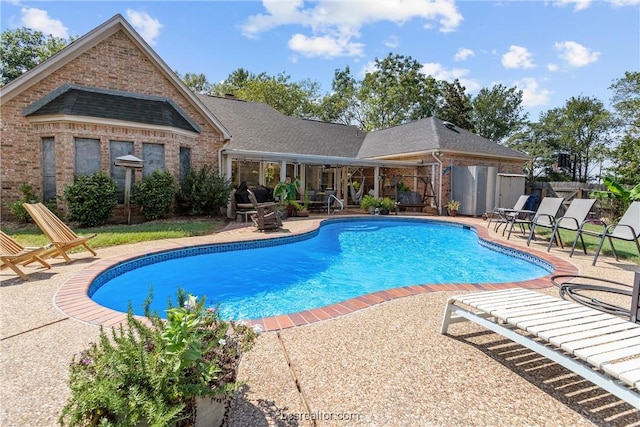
(625,250)
(112,235)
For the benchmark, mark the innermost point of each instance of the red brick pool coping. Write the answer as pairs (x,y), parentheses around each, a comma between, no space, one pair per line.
(73,300)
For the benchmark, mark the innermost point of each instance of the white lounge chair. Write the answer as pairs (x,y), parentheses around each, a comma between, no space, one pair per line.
(600,347)
(573,219)
(628,228)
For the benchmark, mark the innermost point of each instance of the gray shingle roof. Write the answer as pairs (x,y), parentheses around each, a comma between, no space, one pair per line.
(93,102)
(258,127)
(430,134)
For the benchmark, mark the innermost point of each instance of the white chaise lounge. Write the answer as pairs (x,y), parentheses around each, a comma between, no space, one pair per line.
(600,347)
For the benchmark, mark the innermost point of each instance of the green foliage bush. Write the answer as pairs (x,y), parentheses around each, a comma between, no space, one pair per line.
(155,195)
(91,199)
(148,373)
(203,192)
(28,196)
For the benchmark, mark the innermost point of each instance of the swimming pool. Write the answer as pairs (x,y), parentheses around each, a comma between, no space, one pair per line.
(343,259)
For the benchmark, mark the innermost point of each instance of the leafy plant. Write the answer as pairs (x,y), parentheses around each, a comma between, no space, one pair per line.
(369,202)
(28,196)
(203,192)
(618,192)
(149,373)
(453,205)
(287,192)
(155,195)
(387,204)
(91,199)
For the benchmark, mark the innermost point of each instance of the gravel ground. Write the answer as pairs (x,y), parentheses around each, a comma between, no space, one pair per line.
(386,365)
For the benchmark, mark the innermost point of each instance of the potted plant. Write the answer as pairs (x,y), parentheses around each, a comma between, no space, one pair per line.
(387,205)
(369,203)
(286,192)
(158,371)
(453,207)
(303,210)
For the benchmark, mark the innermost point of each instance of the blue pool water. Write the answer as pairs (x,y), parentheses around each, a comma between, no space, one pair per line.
(345,259)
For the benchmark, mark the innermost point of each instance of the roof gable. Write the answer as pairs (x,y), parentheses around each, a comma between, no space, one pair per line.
(109,104)
(91,39)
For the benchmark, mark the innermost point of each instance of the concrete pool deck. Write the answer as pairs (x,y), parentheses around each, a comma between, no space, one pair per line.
(382,365)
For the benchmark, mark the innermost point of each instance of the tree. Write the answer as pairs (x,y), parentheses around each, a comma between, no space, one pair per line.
(497,112)
(535,142)
(22,49)
(297,99)
(626,102)
(342,105)
(581,129)
(455,105)
(396,92)
(197,83)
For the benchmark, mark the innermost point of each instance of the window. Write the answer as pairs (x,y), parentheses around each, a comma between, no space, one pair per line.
(153,156)
(119,149)
(86,159)
(245,171)
(48,169)
(185,162)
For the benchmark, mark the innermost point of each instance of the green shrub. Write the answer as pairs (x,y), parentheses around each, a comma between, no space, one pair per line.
(91,199)
(155,195)
(28,196)
(203,192)
(148,373)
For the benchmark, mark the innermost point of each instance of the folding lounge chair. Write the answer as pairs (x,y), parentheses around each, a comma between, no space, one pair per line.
(12,254)
(628,228)
(546,214)
(60,235)
(267,216)
(573,219)
(501,215)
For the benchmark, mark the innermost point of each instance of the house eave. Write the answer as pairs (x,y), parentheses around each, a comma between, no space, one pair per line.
(306,158)
(65,118)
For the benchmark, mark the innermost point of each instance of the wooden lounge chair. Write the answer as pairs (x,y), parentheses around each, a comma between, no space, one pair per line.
(13,254)
(628,228)
(600,347)
(61,236)
(573,219)
(546,214)
(267,216)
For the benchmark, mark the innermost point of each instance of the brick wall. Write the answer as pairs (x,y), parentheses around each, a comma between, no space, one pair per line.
(117,64)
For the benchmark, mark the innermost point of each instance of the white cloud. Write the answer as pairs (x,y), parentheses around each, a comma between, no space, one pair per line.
(148,27)
(575,54)
(532,94)
(343,20)
(553,67)
(325,46)
(438,72)
(39,20)
(392,42)
(625,2)
(463,53)
(517,57)
(577,4)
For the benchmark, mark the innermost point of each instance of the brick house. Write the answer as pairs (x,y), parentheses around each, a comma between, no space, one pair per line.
(109,94)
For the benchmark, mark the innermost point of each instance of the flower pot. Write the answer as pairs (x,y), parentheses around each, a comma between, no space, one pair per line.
(453,212)
(212,411)
(302,213)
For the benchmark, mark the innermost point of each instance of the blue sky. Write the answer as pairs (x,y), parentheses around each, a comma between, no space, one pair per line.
(552,50)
